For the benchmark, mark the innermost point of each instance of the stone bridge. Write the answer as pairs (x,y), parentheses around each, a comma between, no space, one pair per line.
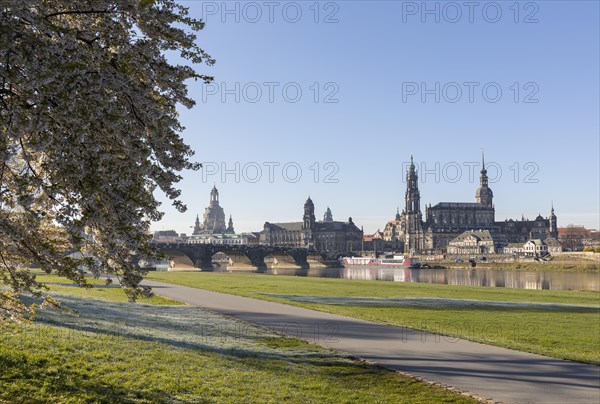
(246,257)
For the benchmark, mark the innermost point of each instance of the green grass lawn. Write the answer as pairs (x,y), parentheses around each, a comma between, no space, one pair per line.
(101,368)
(110,351)
(562,324)
(62,286)
(254,285)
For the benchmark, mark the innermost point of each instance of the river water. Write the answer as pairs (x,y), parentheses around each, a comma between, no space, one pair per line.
(468,277)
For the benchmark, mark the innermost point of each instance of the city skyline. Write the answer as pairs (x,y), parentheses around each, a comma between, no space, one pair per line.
(373,95)
(471,170)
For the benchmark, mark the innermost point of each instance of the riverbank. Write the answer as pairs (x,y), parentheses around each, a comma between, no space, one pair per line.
(562,262)
(591,267)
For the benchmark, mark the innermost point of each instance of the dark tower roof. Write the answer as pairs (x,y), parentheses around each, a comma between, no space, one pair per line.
(411,173)
(328,217)
(483,170)
(309,214)
(230,229)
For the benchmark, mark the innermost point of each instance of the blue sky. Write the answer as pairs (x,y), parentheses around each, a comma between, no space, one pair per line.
(379,67)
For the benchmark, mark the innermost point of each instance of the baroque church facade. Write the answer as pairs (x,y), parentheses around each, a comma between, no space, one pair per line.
(212,229)
(326,235)
(445,221)
(213,218)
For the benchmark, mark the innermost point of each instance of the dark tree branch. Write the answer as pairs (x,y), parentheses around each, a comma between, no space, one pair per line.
(70,12)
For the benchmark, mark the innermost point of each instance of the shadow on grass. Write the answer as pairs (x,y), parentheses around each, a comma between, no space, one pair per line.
(53,368)
(183,327)
(93,285)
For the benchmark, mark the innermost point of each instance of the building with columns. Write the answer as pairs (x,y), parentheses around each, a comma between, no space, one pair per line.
(473,243)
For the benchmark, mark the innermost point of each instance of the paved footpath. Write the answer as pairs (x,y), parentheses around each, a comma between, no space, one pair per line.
(497,374)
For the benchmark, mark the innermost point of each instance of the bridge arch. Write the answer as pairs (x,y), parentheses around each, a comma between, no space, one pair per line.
(281,259)
(221,261)
(179,260)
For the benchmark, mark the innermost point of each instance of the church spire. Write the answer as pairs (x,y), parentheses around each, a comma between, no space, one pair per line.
(482,159)
(553,222)
(413,224)
(197,227)
(484,194)
(483,170)
(412,197)
(230,229)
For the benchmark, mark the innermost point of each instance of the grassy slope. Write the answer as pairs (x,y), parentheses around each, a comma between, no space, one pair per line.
(167,353)
(553,265)
(558,330)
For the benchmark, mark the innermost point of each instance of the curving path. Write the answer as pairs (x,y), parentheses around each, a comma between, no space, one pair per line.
(489,372)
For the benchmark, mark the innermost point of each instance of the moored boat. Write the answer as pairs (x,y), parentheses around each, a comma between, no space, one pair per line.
(397,261)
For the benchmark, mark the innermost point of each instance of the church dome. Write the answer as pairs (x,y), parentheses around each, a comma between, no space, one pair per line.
(214,215)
